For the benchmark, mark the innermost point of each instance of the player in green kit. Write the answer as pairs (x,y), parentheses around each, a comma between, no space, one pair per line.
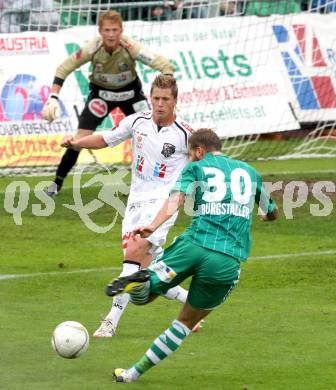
(210,250)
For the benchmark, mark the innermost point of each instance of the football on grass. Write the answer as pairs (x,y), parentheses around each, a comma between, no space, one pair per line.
(70,339)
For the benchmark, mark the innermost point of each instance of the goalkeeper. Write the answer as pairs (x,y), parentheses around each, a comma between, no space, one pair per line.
(210,250)
(113,83)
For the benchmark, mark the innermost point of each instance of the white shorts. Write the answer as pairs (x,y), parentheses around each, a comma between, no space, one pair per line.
(143,213)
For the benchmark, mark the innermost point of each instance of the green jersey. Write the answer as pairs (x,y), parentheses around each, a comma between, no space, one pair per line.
(225,192)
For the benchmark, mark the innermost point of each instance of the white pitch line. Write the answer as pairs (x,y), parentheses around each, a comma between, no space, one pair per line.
(80,271)
(76,271)
(287,255)
(298,172)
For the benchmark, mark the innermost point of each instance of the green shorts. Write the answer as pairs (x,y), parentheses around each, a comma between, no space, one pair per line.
(214,274)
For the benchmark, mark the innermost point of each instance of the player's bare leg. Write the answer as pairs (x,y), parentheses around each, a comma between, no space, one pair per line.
(137,248)
(164,345)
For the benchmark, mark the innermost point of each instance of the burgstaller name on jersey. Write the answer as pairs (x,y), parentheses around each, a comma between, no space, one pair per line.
(217,208)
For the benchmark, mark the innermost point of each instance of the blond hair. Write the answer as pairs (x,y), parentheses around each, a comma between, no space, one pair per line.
(164,81)
(112,16)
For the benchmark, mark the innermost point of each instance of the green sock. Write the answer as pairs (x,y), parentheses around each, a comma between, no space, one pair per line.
(163,346)
(143,364)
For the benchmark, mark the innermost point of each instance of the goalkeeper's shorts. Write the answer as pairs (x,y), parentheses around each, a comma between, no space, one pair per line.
(214,274)
(100,102)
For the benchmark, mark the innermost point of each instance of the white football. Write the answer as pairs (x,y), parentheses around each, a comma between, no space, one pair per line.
(70,339)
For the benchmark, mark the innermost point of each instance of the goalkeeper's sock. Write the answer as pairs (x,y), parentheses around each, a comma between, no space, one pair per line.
(178,293)
(121,301)
(67,162)
(163,346)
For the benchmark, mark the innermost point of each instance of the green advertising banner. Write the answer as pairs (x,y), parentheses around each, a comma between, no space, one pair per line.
(235,75)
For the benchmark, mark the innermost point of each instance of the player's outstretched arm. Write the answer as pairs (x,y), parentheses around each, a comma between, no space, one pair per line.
(147,57)
(171,205)
(94,141)
(52,110)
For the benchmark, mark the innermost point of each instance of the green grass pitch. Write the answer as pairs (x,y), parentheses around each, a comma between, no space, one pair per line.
(276,331)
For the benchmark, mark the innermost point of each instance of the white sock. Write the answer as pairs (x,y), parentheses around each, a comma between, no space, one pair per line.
(178,293)
(121,301)
(129,268)
(118,306)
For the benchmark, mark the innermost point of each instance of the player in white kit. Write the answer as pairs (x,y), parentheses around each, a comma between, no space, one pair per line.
(159,151)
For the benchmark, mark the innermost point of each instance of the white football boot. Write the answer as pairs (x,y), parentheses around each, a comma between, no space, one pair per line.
(106,329)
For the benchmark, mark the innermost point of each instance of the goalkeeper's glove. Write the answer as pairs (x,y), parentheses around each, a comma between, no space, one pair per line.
(51,109)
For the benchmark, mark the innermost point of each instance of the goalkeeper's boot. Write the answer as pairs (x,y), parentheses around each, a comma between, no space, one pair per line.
(124,284)
(106,329)
(125,375)
(53,190)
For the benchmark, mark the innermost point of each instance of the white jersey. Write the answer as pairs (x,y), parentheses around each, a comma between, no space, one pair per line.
(159,154)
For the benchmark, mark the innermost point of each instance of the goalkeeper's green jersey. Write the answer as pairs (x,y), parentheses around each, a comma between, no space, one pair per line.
(225,192)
